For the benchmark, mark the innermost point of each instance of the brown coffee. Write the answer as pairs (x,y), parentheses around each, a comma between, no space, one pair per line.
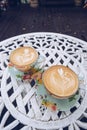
(23,57)
(60,81)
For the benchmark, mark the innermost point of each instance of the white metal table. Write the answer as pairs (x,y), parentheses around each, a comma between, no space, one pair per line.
(20,107)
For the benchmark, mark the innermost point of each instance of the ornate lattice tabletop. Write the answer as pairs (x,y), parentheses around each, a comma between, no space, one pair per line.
(20,105)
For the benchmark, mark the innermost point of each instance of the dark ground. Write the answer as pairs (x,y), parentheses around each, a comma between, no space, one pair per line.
(22,19)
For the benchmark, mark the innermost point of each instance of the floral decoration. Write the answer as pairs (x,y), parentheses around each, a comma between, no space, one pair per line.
(32,74)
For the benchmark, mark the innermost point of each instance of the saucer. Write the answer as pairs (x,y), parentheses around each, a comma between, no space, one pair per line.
(35,72)
(53,103)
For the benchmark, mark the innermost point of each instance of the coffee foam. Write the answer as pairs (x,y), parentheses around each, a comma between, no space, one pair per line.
(60,81)
(23,56)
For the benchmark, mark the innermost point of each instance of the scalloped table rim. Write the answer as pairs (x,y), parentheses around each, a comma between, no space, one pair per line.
(36,123)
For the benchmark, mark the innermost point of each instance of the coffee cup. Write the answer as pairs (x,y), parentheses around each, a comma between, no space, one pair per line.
(22,59)
(60,81)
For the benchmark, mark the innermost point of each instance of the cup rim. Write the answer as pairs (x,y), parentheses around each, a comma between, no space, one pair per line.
(27,64)
(60,96)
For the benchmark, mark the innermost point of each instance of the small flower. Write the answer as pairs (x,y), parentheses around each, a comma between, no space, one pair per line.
(49,105)
(36,76)
(25,77)
(54,107)
(40,81)
(10,64)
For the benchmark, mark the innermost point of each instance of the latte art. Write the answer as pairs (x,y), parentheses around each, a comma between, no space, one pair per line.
(67,78)
(60,81)
(23,57)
